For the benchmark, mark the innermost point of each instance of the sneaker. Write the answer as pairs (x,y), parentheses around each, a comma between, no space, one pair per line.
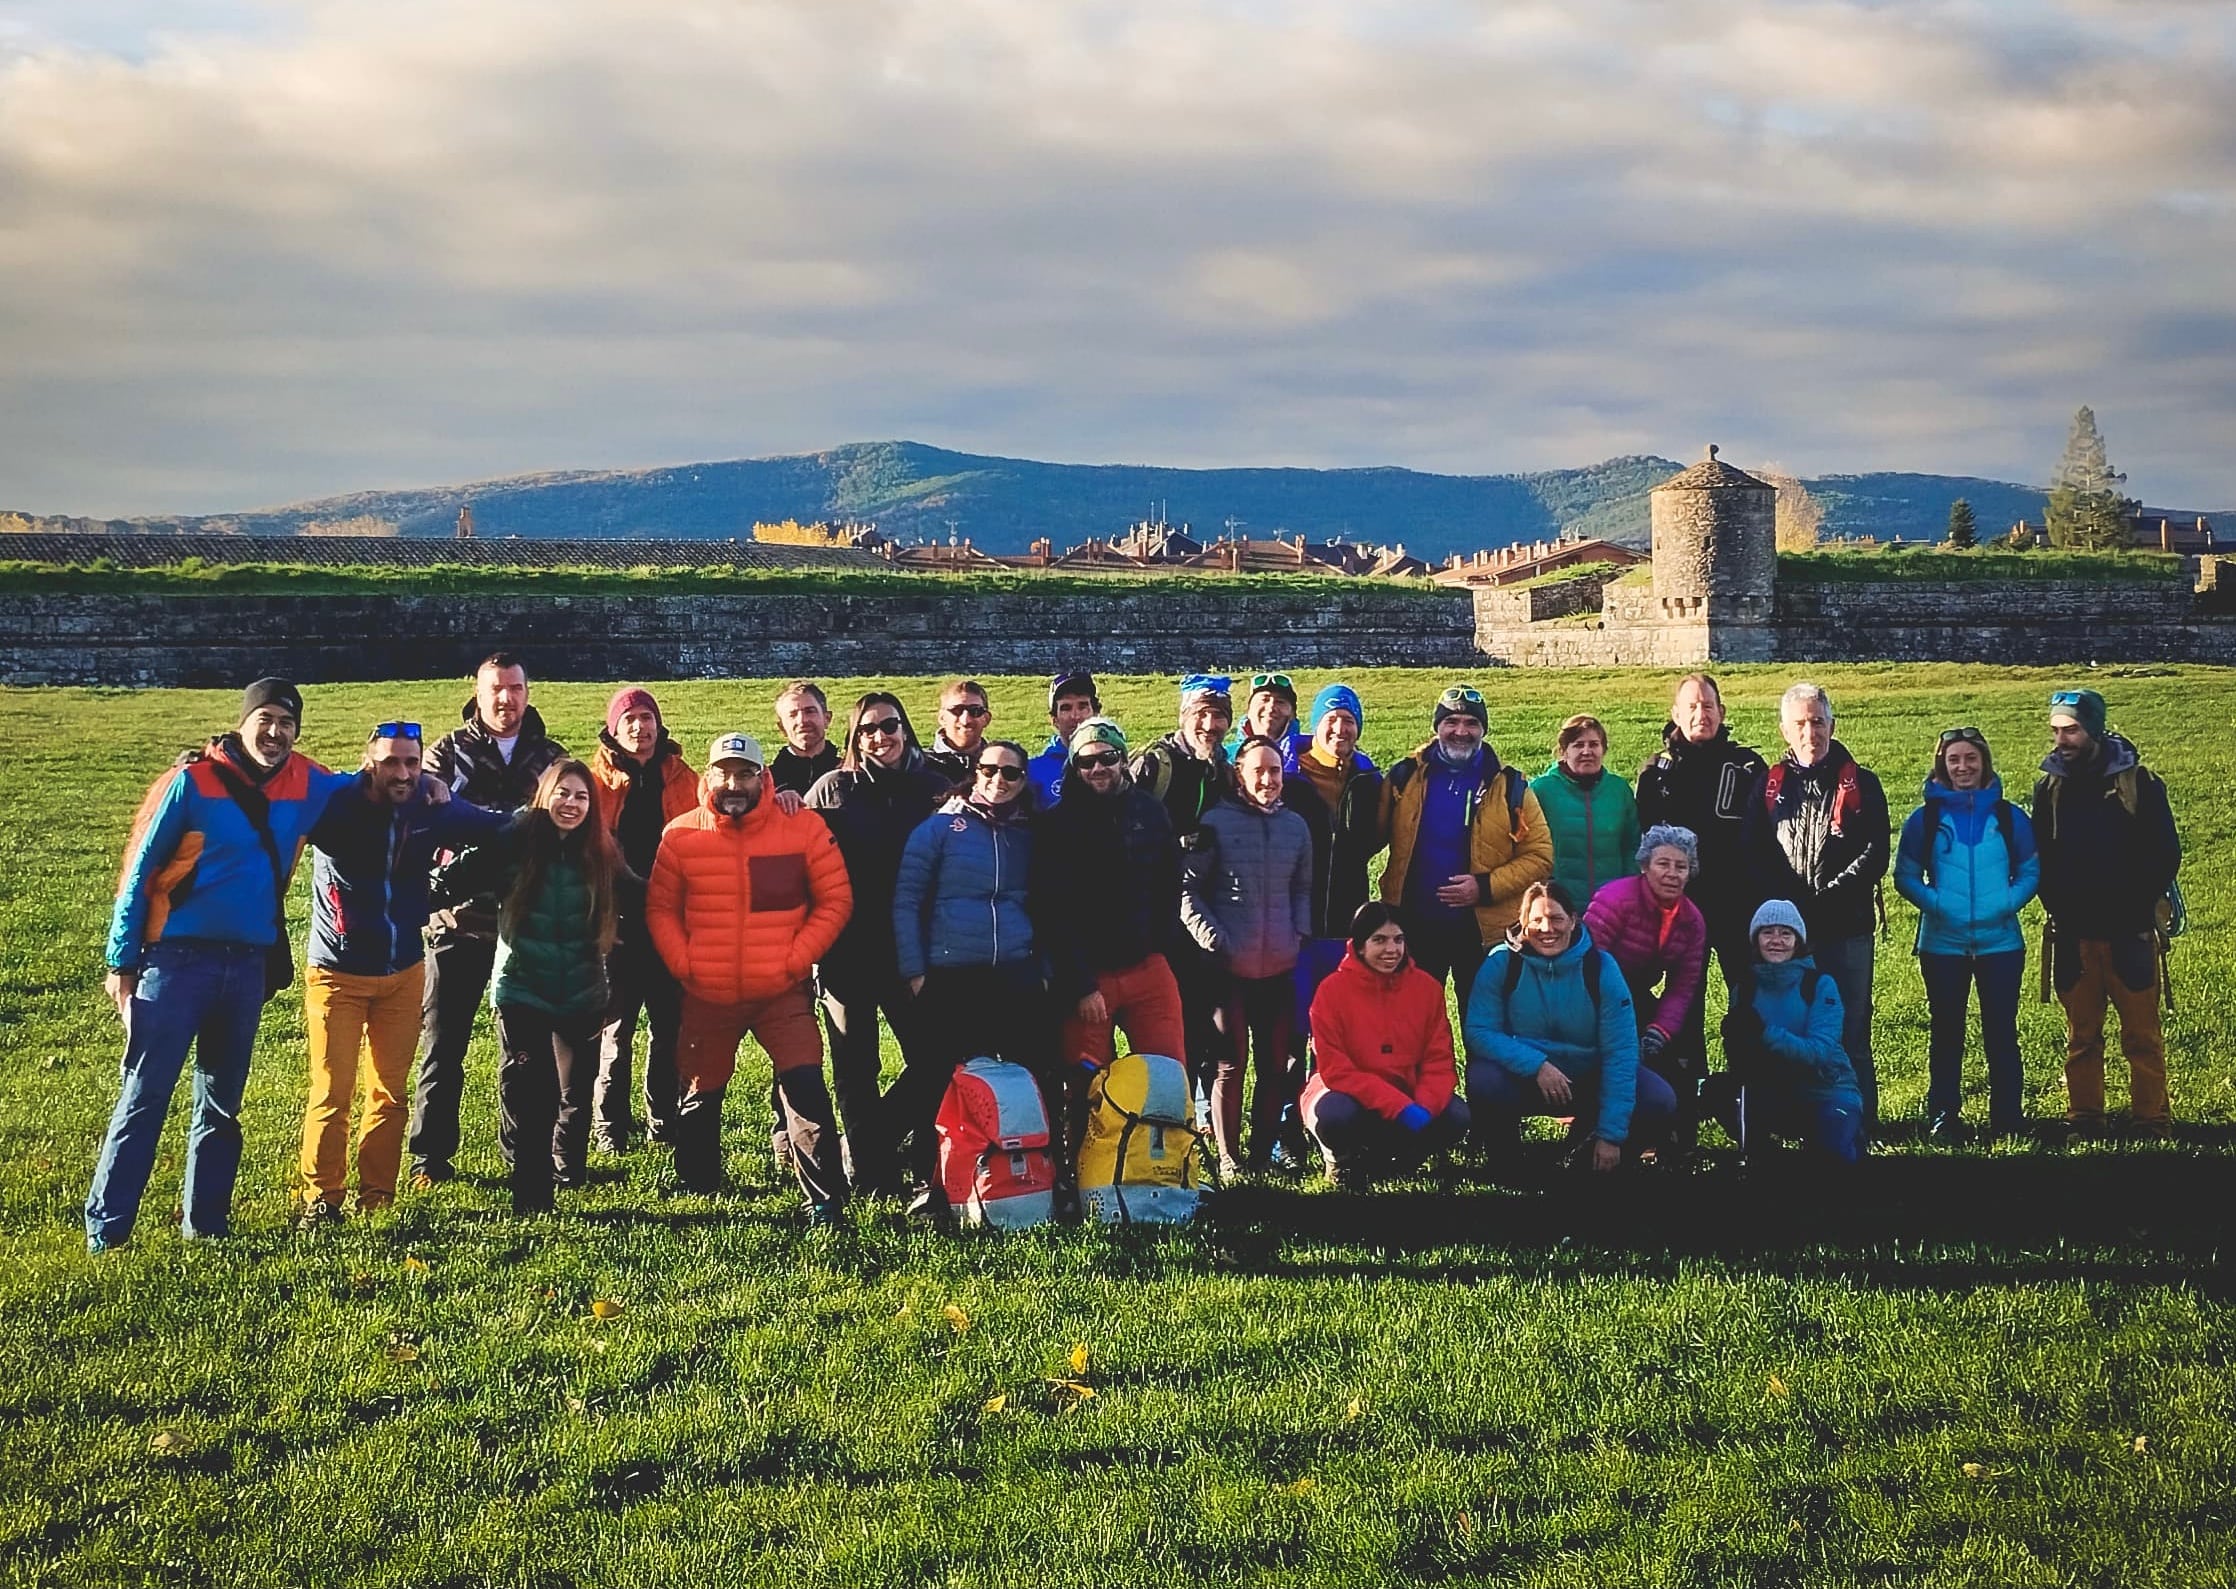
(97,1245)
(424,1176)
(317,1213)
(1945,1130)
(930,1205)
(610,1141)
(1230,1170)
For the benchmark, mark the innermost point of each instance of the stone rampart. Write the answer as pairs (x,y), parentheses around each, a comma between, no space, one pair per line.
(2038,622)
(224,639)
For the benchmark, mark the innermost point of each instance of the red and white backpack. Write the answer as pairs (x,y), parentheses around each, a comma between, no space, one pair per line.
(994,1158)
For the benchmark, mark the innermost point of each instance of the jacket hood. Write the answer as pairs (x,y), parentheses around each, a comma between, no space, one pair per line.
(1784,975)
(2118,754)
(1353,969)
(1954,800)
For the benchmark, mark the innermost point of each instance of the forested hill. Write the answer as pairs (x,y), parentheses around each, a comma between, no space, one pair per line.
(1003,504)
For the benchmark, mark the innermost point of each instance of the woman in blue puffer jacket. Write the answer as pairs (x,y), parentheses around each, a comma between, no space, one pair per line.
(964,944)
(1967,861)
(1550,1030)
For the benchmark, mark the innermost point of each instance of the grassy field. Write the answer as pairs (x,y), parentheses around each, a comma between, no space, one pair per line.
(1993,1367)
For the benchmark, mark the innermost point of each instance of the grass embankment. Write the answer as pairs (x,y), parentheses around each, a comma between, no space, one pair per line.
(193,577)
(1905,561)
(2006,1367)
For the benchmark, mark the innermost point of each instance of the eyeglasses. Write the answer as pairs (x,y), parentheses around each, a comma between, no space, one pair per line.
(968,709)
(1271,681)
(1461,695)
(1001,770)
(882,725)
(1097,761)
(1967,735)
(396,731)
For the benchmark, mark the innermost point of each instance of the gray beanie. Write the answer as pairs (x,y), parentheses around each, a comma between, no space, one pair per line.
(1778,913)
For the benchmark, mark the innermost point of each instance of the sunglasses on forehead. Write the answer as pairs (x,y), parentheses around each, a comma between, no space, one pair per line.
(2066,698)
(1270,681)
(1461,695)
(1964,736)
(396,731)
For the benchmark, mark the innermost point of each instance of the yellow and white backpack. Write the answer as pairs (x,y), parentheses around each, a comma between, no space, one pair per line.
(1139,1162)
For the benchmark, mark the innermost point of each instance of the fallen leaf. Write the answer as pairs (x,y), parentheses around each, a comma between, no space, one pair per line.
(605,1308)
(2142,1445)
(1793,1528)
(403,1352)
(1778,1388)
(166,1440)
(956,1316)
(1973,1470)
(414,1264)
(574,1404)
(902,1311)
(1303,1486)
(1466,1523)
(1351,1413)
(1084,1392)
(1079,1360)
(995,1403)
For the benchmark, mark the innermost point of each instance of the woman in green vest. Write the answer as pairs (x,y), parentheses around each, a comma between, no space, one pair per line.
(1593,818)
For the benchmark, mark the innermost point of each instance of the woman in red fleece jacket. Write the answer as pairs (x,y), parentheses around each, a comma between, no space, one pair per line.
(1381,1093)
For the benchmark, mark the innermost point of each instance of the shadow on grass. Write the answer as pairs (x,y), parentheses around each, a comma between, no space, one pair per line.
(2156,1214)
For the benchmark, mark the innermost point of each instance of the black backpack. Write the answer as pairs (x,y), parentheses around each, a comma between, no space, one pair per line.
(1591,975)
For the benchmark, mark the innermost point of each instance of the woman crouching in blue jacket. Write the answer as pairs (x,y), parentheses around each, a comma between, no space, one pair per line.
(1550,1030)
(1967,862)
(1786,1072)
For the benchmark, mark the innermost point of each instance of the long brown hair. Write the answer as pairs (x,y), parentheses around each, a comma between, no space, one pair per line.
(541,843)
(852,758)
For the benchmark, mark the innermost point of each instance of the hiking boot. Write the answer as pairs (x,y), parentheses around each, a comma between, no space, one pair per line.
(316,1214)
(425,1176)
(1945,1130)
(2150,1130)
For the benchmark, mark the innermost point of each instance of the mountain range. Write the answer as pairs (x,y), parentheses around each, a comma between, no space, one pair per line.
(1003,504)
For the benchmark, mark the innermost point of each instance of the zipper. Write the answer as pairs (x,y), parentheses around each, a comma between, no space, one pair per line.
(743,900)
(994,905)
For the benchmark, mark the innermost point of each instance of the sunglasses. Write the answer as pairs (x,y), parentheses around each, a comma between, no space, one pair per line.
(1001,770)
(1097,761)
(882,725)
(2066,698)
(396,731)
(968,709)
(1270,681)
(1461,695)
(1968,736)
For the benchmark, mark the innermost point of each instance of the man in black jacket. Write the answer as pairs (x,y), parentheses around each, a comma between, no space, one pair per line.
(881,792)
(493,759)
(1105,886)
(2105,831)
(1824,844)
(1187,772)
(1707,783)
(803,713)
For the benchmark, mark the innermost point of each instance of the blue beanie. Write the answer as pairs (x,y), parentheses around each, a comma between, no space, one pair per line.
(1215,684)
(1335,698)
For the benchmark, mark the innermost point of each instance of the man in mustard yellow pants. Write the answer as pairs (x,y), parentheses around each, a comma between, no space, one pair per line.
(374,849)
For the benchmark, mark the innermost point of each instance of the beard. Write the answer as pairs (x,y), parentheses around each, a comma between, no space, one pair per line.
(732,804)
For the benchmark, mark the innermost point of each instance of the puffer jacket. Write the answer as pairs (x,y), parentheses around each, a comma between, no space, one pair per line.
(1105,885)
(1793,1044)
(1246,888)
(2108,844)
(1550,1020)
(1653,946)
(1383,1039)
(1509,848)
(1709,788)
(872,811)
(468,759)
(741,908)
(960,896)
(1822,847)
(1970,889)
(1594,828)
(547,952)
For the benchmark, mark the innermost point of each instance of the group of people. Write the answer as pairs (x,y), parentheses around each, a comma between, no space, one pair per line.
(1207,894)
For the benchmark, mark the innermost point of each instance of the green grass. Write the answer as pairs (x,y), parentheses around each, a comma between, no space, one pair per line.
(2006,1367)
(193,577)
(1909,560)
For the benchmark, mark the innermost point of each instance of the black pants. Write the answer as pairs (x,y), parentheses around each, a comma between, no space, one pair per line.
(641,985)
(548,1059)
(850,1011)
(458,968)
(1202,984)
(1447,945)
(966,1013)
(1358,1139)
(1255,1018)
(809,1134)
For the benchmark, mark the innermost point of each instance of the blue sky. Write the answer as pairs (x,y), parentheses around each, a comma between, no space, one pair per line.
(256,253)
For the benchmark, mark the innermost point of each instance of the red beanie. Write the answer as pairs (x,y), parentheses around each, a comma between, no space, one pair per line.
(629,699)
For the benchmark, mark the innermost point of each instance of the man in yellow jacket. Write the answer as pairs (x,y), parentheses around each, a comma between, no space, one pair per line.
(1466,837)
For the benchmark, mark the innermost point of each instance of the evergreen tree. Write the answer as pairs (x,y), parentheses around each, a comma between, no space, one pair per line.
(2086,509)
(1964,529)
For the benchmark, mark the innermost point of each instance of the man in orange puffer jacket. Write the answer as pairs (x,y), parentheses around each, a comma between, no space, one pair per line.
(1380,1097)
(745,897)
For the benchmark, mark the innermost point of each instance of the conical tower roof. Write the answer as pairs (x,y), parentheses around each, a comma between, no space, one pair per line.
(1713,474)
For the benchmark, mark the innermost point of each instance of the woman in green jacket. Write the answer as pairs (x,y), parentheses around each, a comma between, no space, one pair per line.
(1593,818)
(549,985)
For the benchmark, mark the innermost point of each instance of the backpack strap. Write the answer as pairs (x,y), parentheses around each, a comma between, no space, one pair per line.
(1513,977)
(1516,787)
(2006,823)
(256,807)
(1513,972)
(1811,978)
(1932,832)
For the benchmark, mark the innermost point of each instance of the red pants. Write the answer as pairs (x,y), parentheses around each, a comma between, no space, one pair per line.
(1144,999)
(707,1046)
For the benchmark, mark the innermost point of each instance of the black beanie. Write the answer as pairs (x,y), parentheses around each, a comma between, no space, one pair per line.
(272,692)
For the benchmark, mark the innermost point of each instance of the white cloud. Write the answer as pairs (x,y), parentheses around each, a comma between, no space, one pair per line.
(257,252)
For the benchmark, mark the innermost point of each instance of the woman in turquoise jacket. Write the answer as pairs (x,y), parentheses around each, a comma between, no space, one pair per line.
(1550,1030)
(1967,861)
(1788,1070)
(1593,817)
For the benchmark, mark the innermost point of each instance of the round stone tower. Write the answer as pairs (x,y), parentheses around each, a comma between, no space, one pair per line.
(1715,545)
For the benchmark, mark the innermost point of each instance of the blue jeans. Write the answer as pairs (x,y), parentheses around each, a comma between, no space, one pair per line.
(1831,1128)
(192,993)
(1948,994)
